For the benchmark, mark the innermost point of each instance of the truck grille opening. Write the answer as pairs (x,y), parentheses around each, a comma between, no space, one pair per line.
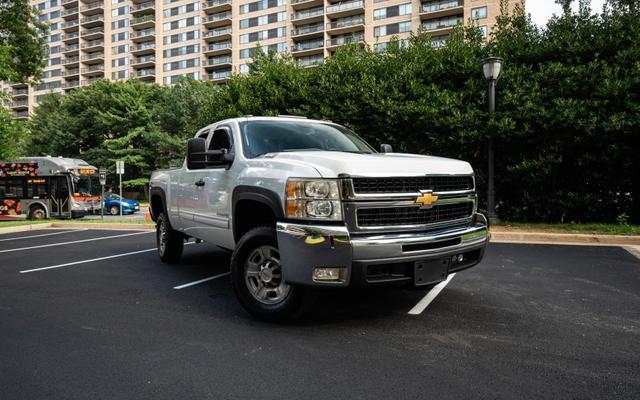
(412,184)
(396,216)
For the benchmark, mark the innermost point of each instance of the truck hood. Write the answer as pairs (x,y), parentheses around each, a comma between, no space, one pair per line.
(333,164)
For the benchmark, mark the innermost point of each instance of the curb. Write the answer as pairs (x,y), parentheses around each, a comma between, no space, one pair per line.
(24,228)
(564,238)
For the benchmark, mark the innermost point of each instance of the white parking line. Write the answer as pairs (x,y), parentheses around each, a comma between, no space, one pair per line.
(92,260)
(201,281)
(86,261)
(44,234)
(426,300)
(72,242)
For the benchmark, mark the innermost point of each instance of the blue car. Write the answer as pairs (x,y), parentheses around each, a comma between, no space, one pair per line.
(113,202)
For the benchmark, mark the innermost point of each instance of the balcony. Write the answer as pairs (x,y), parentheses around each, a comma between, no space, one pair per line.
(308,16)
(442,25)
(144,22)
(70,26)
(348,25)
(143,35)
(144,61)
(20,92)
(148,74)
(214,6)
(345,9)
(308,48)
(71,84)
(148,7)
(310,61)
(219,19)
(338,41)
(143,48)
(70,13)
(70,49)
(217,34)
(71,72)
(304,4)
(307,31)
(19,104)
(92,21)
(219,76)
(218,62)
(437,9)
(68,61)
(96,7)
(69,3)
(21,114)
(71,37)
(93,70)
(217,48)
(93,45)
(93,58)
(93,33)
(87,82)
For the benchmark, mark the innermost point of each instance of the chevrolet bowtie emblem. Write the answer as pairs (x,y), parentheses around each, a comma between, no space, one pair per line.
(426,199)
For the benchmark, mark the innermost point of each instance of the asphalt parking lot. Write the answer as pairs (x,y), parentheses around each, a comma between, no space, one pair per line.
(95,314)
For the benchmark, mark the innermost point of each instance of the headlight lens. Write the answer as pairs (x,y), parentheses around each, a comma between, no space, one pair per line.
(314,199)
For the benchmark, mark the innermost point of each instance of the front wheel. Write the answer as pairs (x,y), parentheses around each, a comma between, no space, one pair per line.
(258,281)
(170,243)
(114,210)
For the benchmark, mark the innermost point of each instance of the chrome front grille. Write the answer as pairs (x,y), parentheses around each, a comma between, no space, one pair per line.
(412,184)
(370,217)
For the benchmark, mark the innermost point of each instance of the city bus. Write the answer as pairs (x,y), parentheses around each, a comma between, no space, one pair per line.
(48,187)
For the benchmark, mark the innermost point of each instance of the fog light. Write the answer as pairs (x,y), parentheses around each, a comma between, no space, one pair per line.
(323,274)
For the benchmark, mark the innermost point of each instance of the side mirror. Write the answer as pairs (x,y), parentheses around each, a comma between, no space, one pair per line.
(196,148)
(386,148)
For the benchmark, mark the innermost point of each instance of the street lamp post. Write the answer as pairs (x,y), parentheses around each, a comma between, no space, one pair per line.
(491,69)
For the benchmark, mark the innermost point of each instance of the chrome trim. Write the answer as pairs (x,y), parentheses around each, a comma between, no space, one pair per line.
(350,214)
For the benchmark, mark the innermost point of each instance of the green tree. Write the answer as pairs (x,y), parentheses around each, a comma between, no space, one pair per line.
(22,44)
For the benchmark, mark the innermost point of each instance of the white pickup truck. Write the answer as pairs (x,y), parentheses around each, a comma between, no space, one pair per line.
(305,203)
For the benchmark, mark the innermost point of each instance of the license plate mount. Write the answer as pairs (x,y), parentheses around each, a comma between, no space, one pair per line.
(430,272)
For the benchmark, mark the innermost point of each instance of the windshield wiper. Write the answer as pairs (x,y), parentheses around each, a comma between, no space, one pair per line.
(307,149)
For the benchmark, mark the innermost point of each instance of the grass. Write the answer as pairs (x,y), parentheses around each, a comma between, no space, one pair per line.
(602,229)
(6,224)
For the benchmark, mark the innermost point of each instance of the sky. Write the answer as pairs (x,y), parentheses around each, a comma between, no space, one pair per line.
(542,10)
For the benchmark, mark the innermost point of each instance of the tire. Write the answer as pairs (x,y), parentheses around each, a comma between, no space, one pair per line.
(114,210)
(169,242)
(257,278)
(37,213)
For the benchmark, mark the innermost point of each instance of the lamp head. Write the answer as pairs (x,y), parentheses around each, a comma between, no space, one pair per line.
(492,68)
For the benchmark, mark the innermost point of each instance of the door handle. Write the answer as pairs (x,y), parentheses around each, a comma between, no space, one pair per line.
(200,182)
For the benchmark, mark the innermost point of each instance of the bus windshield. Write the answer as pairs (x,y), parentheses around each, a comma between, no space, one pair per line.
(86,186)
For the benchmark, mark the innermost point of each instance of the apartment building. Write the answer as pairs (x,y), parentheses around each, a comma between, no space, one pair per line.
(159,41)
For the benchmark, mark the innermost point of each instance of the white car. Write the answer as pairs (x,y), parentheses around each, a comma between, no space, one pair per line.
(305,203)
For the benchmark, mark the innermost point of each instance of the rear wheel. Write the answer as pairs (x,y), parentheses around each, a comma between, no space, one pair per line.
(258,281)
(170,243)
(37,212)
(114,210)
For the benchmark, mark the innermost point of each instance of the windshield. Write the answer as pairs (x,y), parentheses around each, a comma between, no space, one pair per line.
(86,186)
(271,136)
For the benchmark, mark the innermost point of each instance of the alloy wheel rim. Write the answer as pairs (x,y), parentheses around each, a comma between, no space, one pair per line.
(263,275)
(162,237)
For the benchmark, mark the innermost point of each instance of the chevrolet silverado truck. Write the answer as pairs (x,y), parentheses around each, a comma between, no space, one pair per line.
(306,204)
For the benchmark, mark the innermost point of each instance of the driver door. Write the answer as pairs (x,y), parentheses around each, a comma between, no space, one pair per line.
(212,214)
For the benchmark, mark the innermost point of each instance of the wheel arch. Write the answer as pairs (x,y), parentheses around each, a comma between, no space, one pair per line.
(36,203)
(262,207)
(157,203)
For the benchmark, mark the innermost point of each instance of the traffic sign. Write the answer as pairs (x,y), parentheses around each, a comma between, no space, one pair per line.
(102,176)
(119,167)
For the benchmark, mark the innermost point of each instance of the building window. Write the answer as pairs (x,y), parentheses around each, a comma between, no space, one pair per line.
(171,12)
(483,30)
(479,13)
(276,47)
(181,51)
(123,23)
(120,11)
(170,80)
(181,37)
(172,66)
(392,29)
(394,11)
(120,75)
(261,5)
(120,62)
(181,23)
(263,20)
(263,35)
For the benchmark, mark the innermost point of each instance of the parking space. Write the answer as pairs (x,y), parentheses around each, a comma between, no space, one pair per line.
(95,314)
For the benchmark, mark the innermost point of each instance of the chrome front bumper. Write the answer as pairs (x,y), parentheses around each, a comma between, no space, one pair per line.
(306,247)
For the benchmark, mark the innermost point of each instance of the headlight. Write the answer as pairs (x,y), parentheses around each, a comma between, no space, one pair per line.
(314,199)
